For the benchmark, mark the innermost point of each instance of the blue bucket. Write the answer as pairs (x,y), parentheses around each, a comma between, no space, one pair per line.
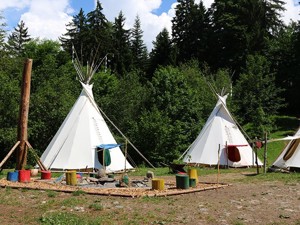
(13,176)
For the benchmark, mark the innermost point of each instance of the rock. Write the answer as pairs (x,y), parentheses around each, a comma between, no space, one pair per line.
(92,179)
(150,175)
(106,179)
(101,173)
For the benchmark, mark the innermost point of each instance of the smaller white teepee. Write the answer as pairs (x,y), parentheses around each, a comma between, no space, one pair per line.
(290,156)
(220,130)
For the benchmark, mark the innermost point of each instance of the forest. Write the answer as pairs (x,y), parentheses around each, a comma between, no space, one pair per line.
(159,99)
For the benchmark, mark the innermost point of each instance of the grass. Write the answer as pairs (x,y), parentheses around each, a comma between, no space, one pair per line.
(51,194)
(66,218)
(97,206)
(78,192)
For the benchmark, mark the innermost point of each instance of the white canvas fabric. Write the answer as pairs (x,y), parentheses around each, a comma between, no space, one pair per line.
(220,129)
(74,144)
(290,156)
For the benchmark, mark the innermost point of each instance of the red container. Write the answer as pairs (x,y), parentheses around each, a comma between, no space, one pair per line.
(45,175)
(24,175)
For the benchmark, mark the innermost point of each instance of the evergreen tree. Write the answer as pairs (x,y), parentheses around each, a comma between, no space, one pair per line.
(138,47)
(228,40)
(190,29)
(2,33)
(242,27)
(18,38)
(77,33)
(121,46)
(99,32)
(161,54)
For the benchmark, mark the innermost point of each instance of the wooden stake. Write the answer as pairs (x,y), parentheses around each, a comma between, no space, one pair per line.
(23,116)
(265,154)
(227,154)
(218,165)
(256,160)
(125,154)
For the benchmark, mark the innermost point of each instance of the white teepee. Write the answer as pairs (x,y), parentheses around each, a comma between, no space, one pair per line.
(290,156)
(220,140)
(74,146)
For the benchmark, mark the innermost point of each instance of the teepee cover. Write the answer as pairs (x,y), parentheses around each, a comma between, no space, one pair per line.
(290,156)
(74,146)
(221,131)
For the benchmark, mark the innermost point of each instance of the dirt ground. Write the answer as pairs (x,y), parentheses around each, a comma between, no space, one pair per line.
(245,201)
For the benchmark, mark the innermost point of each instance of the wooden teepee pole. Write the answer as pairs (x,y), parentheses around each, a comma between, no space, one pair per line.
(23,116)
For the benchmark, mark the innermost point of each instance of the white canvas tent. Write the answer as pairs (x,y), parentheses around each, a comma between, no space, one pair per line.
(290,156)
(74,146)
(220,130)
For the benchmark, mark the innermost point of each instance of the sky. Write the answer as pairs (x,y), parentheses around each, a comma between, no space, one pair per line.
(47,19)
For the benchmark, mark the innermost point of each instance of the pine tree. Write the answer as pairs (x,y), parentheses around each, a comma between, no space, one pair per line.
(76,36)
(138,48)
(161,54)
(190,29)
(18,38)
(99,38)
(2,32)
(121,46)
(242,27)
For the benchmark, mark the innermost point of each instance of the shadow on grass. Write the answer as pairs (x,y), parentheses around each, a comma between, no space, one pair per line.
(250,174)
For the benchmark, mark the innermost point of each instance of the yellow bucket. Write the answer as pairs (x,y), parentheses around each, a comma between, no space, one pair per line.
(71,178)
(158,184)
(193,174)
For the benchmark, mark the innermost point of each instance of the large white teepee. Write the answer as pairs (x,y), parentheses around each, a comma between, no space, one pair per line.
(74,146)
(221,130)
(290,156)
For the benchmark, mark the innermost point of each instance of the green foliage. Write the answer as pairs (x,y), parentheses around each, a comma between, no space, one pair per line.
(256,96)
(285,60)
(179,102)
(122,100)
(10,77)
